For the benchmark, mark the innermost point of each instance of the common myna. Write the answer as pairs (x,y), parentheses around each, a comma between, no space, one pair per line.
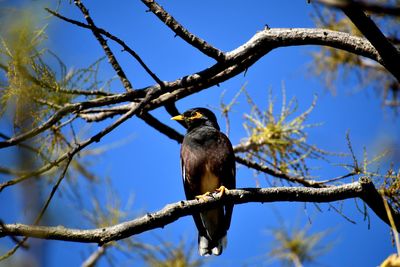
(208,165)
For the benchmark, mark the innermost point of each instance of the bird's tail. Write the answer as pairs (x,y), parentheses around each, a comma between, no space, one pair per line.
(209,247)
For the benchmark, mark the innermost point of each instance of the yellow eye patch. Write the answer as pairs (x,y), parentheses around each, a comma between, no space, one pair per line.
(196,115)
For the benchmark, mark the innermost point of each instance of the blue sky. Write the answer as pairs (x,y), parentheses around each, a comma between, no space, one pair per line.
(147,165)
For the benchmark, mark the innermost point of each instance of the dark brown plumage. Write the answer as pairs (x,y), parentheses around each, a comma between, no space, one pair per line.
(207,162)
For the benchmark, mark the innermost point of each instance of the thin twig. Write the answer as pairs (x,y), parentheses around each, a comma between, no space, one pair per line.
(78,147)
(275,173)
(39,217)
(95,256)
(112,37)
(110,55)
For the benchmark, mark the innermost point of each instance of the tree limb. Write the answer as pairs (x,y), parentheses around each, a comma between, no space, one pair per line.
(364,5)
(237,61)
(388,52)
(363,189)
(182,32)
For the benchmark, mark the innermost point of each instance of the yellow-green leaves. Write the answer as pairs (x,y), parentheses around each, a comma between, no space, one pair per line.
(279,139)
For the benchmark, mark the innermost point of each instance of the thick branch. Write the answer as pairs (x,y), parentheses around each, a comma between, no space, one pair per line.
(390,55)
(363,189)
(388,52)
(376,8)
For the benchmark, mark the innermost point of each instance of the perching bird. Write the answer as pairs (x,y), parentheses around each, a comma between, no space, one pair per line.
(208,165)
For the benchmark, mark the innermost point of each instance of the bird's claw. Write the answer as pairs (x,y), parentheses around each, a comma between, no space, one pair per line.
(203,196)
(222,190)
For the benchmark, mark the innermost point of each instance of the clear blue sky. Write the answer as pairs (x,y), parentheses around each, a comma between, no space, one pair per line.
(147,166)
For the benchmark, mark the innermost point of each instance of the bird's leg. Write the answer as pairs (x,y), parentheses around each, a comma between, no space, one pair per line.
(221,190)
(203,196)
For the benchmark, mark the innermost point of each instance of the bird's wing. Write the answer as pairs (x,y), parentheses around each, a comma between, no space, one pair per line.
(191,166)
(225,168)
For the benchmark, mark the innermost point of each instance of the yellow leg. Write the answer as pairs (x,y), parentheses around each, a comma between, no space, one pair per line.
(221,190)
(203,196)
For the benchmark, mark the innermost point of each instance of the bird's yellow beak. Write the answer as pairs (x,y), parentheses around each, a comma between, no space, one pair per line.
(178,118)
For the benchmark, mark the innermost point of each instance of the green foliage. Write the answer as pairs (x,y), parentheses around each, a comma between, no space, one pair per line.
(170,255)
(391,187)
(37,82)
(279,140)
(297,246)
(28,76)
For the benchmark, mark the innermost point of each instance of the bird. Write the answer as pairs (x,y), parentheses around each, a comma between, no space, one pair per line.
(208,165)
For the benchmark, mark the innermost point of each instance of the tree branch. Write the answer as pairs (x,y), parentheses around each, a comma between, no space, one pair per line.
(161,127)
(112,59)
(236,62)
(364,5)
(182,32)
(95,138)
(112,37)
(389,53)
(92,260)
(278,174)
(363,189)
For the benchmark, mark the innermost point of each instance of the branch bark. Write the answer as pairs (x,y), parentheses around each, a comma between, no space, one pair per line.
(363,189)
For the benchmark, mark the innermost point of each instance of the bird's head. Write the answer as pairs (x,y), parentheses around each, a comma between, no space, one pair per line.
(198,117)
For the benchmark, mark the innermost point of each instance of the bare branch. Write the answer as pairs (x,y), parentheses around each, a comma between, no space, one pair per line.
(363,189)
(293,179)
(113,61)
(95,256)
(112,37)
(180,31)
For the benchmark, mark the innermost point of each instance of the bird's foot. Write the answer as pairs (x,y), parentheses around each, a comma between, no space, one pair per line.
(203,196)
(222,190)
